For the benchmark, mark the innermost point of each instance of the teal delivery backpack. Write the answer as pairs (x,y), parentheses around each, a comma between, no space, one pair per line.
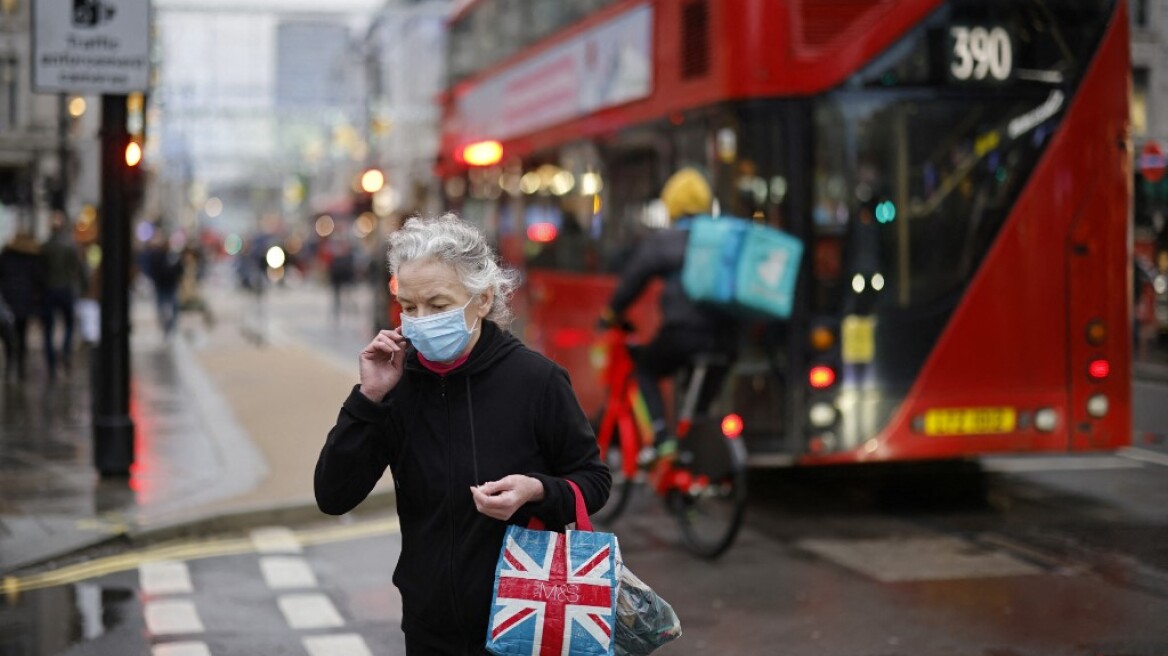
(740,267)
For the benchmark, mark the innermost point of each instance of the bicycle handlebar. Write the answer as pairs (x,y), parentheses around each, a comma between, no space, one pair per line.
(621,324)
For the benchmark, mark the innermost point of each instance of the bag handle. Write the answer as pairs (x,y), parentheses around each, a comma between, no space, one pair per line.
(583,523)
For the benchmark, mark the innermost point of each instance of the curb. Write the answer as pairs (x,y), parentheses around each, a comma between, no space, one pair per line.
(249,517)
(234,521)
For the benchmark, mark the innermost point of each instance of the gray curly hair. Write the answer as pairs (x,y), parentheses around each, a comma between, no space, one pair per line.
(449,239)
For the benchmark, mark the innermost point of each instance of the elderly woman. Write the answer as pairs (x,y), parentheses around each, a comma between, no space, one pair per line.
(477,430)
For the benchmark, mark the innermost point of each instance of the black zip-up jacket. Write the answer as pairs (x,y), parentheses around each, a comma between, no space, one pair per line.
(662,255)
(507,410)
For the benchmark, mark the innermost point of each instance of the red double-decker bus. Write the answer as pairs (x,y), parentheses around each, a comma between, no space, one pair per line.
(959,173)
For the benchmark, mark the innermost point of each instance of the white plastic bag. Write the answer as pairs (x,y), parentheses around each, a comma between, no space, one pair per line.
(88,313)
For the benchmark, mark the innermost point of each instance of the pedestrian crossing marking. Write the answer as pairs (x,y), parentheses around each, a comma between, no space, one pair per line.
(310,611)
(172,618)
(346,644)
(285,572)
(165,577)
(275,539)
(181,649)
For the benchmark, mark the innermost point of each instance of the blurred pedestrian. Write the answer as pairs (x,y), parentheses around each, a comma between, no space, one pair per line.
(190,293)
(64,274)
(478,430)
(686,328)
(22,286)
(164,268)
(342,273)
(251,271)
(1144,276)
(7,328)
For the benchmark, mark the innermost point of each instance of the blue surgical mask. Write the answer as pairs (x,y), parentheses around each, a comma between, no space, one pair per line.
(439,337)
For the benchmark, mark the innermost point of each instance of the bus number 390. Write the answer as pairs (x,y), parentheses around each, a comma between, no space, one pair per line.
(978,52)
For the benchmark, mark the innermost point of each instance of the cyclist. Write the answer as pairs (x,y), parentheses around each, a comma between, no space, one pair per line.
(686,328)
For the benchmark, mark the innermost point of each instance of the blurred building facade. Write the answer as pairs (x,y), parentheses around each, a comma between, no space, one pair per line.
(48,141)
(405,61)
(1149,109)
(1149,51)
(257,110)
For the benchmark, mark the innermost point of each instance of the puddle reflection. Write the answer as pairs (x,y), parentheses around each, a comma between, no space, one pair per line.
(47,622)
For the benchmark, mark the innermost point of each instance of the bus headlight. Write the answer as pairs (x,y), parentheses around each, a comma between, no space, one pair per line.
(1098,405)
(1045,419)
(821,415)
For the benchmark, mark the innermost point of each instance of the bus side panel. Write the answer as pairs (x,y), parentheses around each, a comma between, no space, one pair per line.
(822,43)
(1009,344)
(1097,264)
(762,49)
(1101,271)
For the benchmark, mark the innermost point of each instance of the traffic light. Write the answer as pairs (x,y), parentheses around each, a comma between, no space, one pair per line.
(372,180)
(133,176)
(133,154)
(885,211)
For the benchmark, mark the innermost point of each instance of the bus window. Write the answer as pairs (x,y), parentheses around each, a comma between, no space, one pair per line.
(917,163)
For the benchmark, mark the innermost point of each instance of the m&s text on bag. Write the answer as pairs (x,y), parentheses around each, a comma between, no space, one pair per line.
(552,592)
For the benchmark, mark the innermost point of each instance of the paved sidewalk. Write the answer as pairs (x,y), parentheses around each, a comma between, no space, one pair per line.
(227,430)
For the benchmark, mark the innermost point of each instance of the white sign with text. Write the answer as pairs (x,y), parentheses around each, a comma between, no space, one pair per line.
(91,46)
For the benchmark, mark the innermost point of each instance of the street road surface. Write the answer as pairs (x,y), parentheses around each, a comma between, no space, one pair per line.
(1050,555)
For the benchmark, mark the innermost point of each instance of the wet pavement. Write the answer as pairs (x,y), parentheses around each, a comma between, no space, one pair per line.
(214,436)
(1051,560)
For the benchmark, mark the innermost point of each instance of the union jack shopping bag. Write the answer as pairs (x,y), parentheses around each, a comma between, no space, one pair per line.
(555,592)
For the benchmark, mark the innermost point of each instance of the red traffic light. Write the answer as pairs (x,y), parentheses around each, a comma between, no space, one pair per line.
(133,154)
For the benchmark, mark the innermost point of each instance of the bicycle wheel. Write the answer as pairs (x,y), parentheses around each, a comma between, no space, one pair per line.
(622,484)
(710,506)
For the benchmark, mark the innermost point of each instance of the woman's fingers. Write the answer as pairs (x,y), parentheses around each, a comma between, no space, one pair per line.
(498,506)
(500,499)
(387,342)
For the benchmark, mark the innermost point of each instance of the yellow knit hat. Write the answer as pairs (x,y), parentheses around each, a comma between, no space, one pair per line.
(686,193)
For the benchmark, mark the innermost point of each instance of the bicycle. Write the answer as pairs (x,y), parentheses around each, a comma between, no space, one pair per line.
(702,481)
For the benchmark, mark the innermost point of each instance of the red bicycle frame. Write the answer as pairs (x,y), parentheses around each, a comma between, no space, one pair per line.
(618,415)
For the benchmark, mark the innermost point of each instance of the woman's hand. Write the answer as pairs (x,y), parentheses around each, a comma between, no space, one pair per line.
(500,499)
(382,363)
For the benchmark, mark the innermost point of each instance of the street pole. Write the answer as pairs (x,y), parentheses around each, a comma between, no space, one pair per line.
(61,198)
(113,429)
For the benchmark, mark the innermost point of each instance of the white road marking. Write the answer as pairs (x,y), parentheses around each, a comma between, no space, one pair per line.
(1144,455)
(1020,464)
(165,577)
(275,539)
(310,611)
(346,644)
(181,649)
(172,617)
(286,572)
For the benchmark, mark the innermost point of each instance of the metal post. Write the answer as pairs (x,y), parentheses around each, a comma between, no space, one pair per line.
(61,197)
(113,429)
